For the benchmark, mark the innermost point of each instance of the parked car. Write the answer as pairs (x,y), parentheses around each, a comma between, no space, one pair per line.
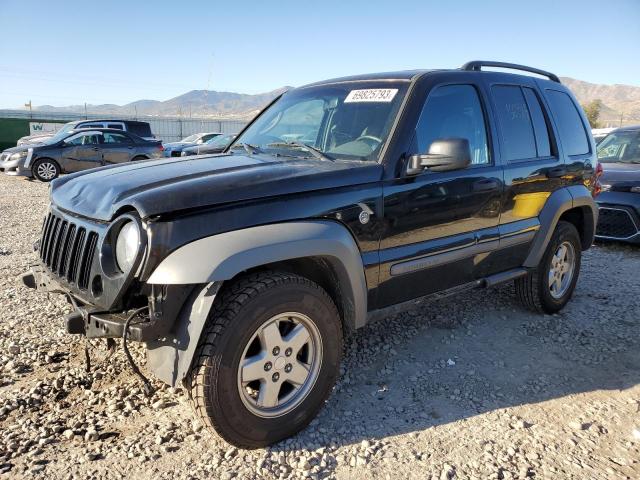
(77,150)
(141,129)
(619,202)
(211,146)
(174,149)
(244,272)
(600,134)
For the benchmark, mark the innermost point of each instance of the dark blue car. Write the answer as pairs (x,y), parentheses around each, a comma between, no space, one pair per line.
(619,202)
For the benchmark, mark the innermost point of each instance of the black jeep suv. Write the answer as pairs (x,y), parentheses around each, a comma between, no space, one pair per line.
(342,201)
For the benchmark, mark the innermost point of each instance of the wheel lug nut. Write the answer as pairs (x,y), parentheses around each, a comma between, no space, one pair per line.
(275,377)
(267,366)
(288,352)
(287,367)
(276,350)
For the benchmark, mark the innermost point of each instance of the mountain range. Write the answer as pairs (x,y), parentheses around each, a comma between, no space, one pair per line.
(620,103)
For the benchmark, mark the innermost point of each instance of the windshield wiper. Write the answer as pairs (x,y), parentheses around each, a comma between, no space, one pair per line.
(251,149)
(313,150)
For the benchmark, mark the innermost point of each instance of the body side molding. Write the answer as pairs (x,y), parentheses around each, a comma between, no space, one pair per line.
(221,257)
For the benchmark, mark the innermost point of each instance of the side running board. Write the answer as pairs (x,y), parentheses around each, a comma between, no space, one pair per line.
(486,282)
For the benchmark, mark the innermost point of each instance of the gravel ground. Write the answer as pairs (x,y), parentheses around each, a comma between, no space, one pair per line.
(467,387)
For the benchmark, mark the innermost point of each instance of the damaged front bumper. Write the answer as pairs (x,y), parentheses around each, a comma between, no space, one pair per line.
(92,322)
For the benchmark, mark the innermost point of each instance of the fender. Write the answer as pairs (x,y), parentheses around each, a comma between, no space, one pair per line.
(221,257)
(559,202)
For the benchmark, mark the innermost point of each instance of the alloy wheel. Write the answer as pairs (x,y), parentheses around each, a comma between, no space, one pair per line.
(561,271)
(46,170)
(280,364)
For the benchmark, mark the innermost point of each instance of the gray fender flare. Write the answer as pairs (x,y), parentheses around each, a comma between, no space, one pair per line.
(215,259)
(559,202)
(170,358)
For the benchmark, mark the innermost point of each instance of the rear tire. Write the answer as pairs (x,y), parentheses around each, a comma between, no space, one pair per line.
(45,169)
(261,321)
(549,287)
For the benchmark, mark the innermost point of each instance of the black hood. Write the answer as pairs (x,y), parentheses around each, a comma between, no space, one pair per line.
(163,186)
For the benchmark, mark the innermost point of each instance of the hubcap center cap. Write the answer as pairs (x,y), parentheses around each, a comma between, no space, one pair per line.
(279,363)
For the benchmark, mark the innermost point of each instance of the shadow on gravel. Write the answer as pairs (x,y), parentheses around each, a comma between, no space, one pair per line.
(465,356)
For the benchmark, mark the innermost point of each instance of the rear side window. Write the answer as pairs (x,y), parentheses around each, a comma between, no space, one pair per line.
(117,126)
(115,138)
(572,134)
(518,139)
(140,129)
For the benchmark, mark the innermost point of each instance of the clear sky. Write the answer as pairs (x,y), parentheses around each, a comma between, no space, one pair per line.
(70,52)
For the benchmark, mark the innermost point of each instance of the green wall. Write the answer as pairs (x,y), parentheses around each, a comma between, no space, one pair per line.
(11,129)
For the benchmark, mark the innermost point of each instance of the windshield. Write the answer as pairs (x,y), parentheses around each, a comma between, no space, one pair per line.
(350,120)
(620,147)
(191,138)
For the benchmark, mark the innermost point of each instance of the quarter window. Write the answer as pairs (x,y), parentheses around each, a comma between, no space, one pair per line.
(543,144)
(453,111)
(572,134)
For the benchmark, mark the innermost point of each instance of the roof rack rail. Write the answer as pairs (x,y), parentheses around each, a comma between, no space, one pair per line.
(476,65)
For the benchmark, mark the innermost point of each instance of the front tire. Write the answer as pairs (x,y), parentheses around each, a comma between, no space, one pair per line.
(267,360)
(45,169)
(549,287)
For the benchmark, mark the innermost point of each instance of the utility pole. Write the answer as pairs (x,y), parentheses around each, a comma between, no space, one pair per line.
(136,108)
(621,115)
(30,109)
(85,110)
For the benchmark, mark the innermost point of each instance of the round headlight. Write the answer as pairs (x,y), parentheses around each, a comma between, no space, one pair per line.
(127,246)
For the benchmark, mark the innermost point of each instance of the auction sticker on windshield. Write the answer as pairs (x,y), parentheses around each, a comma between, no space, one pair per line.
(371,95)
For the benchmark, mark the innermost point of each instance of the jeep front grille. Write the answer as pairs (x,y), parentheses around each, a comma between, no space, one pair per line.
(615,223)
(68,249)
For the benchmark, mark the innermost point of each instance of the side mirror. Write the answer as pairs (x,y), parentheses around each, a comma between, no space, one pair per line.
(445,154)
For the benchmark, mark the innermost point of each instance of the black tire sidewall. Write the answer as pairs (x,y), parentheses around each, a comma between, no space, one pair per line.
(34,169)
(564,232)
(232,414)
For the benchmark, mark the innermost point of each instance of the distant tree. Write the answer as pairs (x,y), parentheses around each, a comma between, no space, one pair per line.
(592,111)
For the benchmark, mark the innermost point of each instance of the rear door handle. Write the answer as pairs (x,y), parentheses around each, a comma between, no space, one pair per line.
(486,185)
(556,172)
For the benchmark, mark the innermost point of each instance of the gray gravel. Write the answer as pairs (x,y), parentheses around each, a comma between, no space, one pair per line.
(468,387)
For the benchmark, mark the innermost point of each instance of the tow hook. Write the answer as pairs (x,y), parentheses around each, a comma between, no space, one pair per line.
(28,280)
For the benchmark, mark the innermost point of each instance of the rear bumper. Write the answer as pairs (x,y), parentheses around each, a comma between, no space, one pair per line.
(15,168)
